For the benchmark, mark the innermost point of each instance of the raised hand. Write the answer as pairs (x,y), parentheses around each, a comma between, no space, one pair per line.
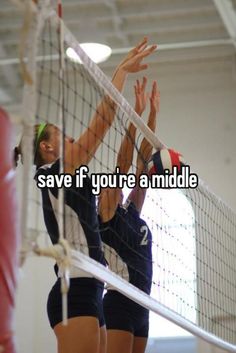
(134,51)
(145,149)
(140,96)
(133,61)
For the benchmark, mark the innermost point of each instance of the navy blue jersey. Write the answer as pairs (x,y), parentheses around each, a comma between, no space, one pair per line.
(128,246)
(81,221)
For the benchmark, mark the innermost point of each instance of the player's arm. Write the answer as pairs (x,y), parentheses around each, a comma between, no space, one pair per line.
(109,198)
(81,151)
(137,195)
(125,154)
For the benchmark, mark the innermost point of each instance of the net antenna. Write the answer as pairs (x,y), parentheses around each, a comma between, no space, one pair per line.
(214,224)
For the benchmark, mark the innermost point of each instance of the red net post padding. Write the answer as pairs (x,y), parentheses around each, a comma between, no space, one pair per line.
(9,236)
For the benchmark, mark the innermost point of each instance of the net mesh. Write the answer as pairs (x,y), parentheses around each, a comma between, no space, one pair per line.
(193,232)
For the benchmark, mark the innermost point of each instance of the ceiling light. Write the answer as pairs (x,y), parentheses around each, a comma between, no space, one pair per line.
(97,52)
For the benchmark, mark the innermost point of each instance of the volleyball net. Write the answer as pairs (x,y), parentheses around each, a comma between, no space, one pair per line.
(193,231)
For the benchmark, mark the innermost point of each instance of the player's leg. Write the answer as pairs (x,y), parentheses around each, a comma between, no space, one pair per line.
(118,322)
(119,341)
(139,345)
(81,335)
(141,329)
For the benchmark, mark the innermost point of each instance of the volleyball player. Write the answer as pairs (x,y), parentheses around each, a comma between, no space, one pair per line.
(127,241)
(82,334)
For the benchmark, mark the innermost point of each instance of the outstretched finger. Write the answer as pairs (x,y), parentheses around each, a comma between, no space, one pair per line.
(144,83)
(158,92)
(139,47)
(138,85)
(141,44)
(146,52)
(154,89)
(155,97)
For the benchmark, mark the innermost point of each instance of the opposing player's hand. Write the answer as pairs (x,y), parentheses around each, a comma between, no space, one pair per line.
(155,98)
(133,61)
(140,96)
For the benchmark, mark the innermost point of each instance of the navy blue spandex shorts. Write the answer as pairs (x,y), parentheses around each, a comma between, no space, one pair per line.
(84,299)
(121,313)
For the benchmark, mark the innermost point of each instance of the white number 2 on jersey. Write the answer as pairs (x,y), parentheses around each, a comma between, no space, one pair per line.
(144,231)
